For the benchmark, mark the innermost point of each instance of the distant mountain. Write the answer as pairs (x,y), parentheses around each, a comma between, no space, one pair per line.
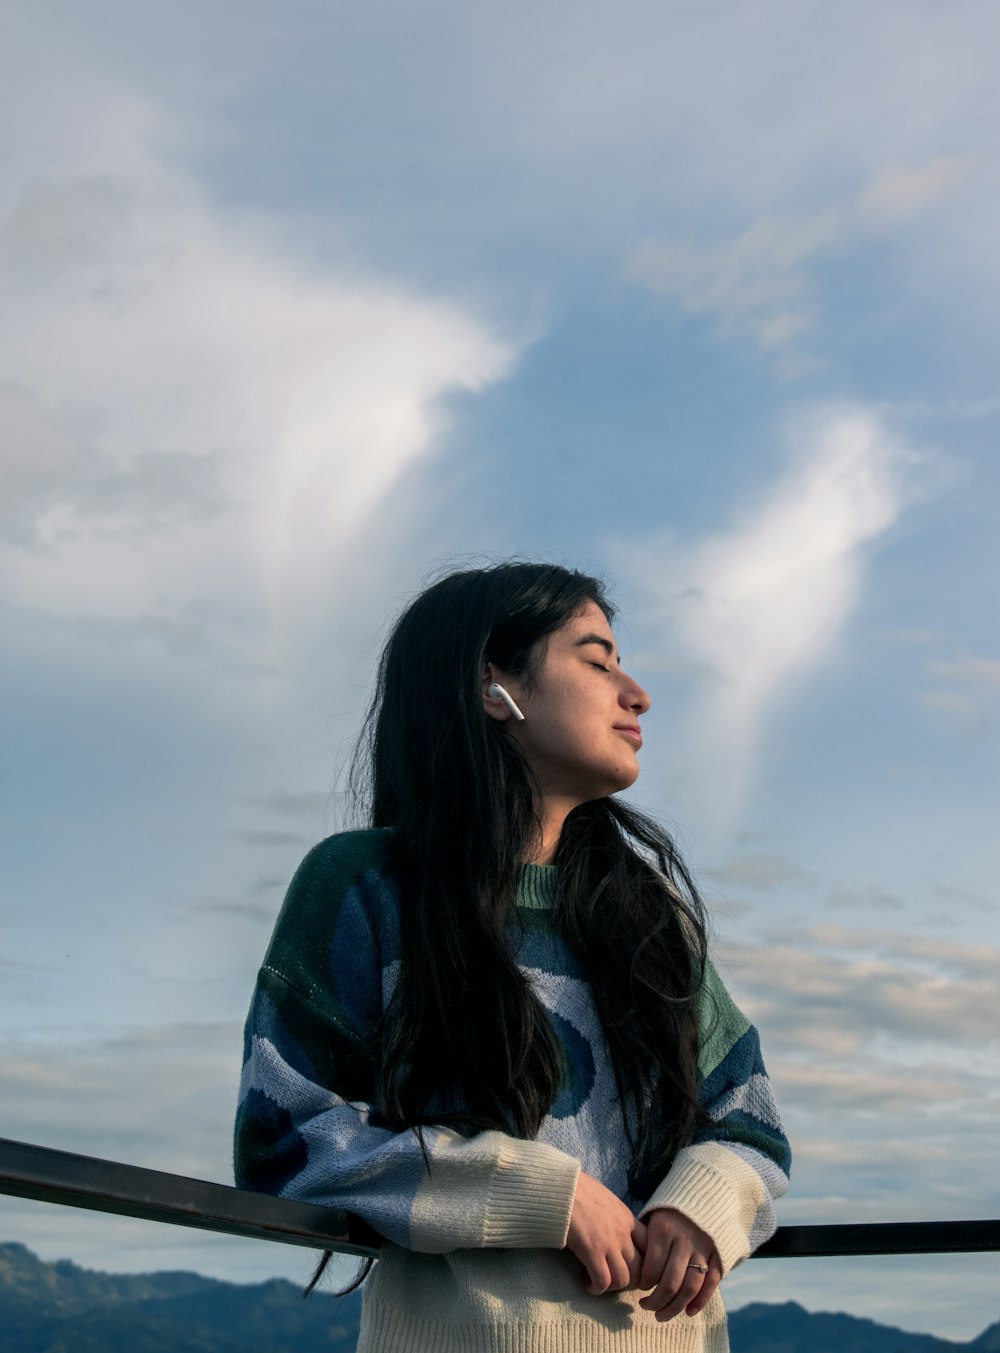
(789,1328)
(60,1308)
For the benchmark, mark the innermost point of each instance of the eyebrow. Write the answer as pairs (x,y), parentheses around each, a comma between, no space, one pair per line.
(606,644)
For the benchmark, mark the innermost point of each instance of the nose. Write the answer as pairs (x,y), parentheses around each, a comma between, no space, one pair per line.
(633,697)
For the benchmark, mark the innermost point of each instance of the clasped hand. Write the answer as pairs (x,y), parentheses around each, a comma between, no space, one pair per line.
(657,1255)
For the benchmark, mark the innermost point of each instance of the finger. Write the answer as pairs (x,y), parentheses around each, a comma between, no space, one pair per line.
(689,1290)
(712,1279)
(632,1259)
(678,1286)
(598,1277)
(654,1261)
(668,1283)
(621,1277)
(640,1233)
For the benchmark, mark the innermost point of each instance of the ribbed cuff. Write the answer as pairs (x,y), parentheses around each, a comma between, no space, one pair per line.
(707,1196)
(531,1197)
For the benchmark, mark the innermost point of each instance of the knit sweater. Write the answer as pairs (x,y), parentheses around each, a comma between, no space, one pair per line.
(474,1257)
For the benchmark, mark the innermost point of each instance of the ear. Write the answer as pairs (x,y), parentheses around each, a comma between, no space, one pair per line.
(493,706)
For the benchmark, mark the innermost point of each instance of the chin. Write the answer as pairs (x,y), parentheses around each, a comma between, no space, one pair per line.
(624,780)
(615,779)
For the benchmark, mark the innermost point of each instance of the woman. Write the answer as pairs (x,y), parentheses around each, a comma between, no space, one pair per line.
(487,1024)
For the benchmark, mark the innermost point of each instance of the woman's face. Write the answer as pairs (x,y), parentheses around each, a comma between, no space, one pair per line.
(581,712)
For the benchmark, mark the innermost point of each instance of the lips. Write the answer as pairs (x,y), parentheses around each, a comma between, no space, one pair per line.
(631,731)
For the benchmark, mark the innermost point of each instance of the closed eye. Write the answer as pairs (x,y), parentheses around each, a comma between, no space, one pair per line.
(587,639)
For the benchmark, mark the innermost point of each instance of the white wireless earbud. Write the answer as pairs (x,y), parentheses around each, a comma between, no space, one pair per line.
(496,692)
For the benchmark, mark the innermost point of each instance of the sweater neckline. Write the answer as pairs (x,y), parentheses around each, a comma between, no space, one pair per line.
(536,887)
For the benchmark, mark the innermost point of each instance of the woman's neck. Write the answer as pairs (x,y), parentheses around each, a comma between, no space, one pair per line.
(552,814)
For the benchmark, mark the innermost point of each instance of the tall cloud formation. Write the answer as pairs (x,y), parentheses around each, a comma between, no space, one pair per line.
(755,608)
(191,419)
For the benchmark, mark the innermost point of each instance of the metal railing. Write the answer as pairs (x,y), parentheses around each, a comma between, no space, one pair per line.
(49,1176)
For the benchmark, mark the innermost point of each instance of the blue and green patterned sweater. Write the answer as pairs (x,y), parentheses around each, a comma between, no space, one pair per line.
(305,1127)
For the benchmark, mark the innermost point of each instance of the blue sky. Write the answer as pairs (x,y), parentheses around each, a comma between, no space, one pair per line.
(302,304)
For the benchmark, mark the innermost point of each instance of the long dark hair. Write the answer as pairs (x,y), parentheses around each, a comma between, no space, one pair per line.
(465,1041)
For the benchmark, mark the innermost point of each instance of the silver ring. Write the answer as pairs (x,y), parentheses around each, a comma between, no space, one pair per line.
(702,1268)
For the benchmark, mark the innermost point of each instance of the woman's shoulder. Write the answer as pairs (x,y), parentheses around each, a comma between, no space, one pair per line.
(345,858)
(345,880)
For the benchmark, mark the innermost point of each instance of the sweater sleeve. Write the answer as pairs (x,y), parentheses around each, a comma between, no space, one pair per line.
(726,1181)
(306,1128)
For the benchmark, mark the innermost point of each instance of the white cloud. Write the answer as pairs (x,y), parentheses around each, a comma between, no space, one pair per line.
(308,805)
(948,702)
(191,419)
(870,898)
(161,1097)
(882,1046)
(967,700)
(915,637)
(899,192)
(53,462)
(975,961)
(754,283)
(832,993)
(962,897)
(970,669)
(757,871)
(758,282)
(883,1090)
(759,606)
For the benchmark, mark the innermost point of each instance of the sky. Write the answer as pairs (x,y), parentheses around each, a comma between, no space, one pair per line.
(300,306)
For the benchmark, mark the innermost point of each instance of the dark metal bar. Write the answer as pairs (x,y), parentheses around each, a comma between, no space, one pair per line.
(894,1237)
(50,1176)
